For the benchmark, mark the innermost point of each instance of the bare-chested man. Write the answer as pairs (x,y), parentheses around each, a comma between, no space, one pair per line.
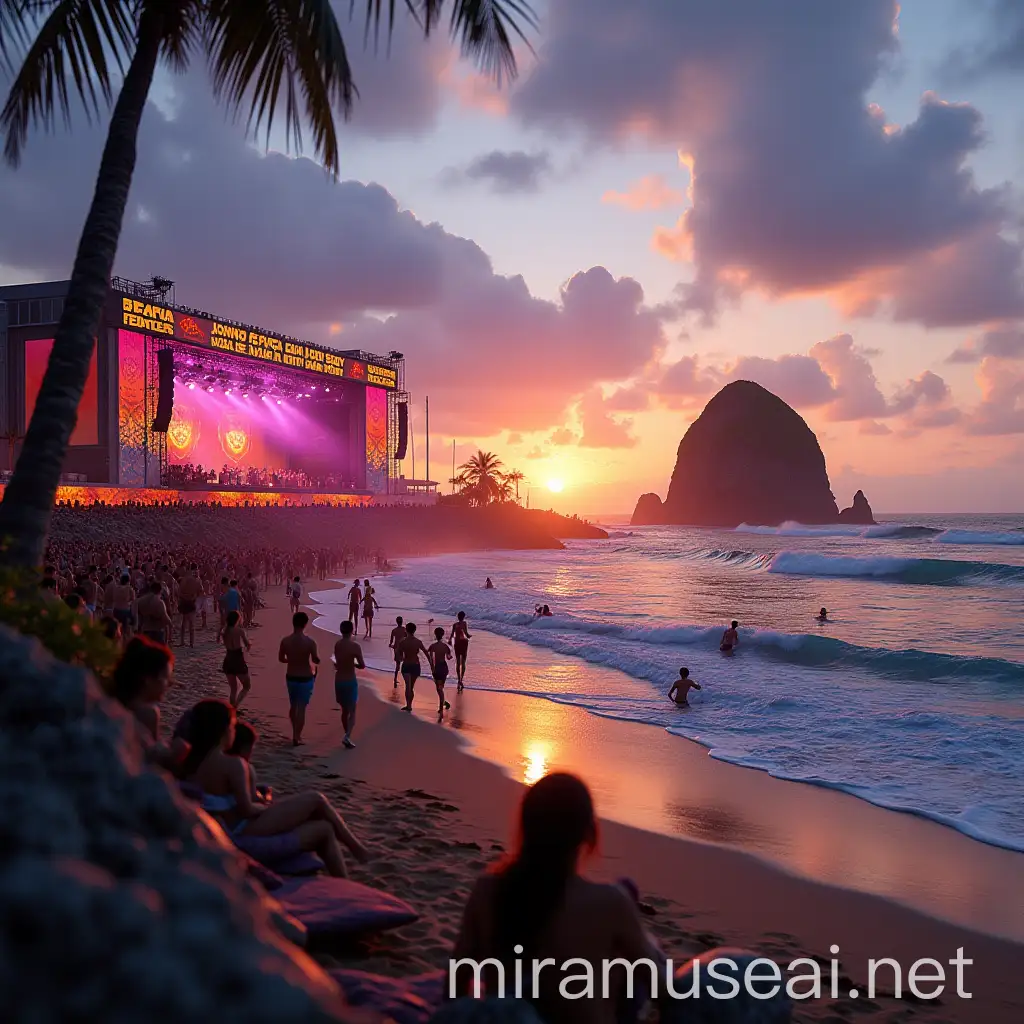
(190,590)
(121,602)
(355,600)
(348,656)
(681,687)
(298,652)
(398,634)
(409,651)
(730,638)
(154,622)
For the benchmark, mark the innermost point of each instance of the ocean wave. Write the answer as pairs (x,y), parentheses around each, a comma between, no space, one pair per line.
(620,535)
(881,531)
(1014,538)
(791,528)
(567,633)
(921,571)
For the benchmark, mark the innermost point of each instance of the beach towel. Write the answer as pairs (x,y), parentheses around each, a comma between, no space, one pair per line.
(340,908)
(402,1000)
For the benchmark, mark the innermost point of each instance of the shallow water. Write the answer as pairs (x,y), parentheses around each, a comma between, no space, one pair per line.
(912,697)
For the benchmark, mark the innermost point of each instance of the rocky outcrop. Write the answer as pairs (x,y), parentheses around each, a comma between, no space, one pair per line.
(859,512)
(116,901)
(748,458)
(649,511)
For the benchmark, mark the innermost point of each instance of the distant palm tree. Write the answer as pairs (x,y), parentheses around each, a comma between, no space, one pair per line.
(257,50)
(483,476)
(515,477)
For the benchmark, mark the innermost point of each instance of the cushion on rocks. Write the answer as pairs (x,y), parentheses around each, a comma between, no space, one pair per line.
(338,907)
(300,864)
(402,1000)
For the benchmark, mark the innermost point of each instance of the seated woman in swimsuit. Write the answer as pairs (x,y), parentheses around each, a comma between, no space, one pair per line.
(538,901)
(227,791)
(140,682)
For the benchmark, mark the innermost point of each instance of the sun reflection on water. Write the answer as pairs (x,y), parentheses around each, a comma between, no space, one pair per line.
(535,761)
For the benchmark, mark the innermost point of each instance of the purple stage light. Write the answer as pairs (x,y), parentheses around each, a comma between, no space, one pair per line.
(245,396)
(210,388)
(327,391)
(191,386)
(279,401)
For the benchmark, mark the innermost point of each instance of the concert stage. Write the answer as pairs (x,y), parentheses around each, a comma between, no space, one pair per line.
(185,405)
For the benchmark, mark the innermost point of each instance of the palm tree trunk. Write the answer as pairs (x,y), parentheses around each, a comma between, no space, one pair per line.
(28,500)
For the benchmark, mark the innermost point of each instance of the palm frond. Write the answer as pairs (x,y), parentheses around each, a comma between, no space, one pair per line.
(260,47)
(74,47)
(182,31)
(484,30)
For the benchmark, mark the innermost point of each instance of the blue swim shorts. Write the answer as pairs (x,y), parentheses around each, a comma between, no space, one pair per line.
(346,692)
(300,691)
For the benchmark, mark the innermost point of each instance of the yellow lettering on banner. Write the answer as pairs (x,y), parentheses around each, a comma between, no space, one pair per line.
(381,375)
(335,371)
(224,344)
(148,325)
(228,331)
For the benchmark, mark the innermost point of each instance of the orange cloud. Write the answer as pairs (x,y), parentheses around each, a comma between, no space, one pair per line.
(473,90)
(651,192)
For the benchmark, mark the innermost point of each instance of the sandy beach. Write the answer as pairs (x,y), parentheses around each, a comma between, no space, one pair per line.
(436,816)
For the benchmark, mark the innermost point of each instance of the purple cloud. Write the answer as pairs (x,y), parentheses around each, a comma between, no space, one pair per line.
(799,183)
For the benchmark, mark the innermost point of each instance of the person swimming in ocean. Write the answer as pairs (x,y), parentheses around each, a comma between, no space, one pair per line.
(542,611)
(681,687)
(730,638)
(822,616)
(488,585)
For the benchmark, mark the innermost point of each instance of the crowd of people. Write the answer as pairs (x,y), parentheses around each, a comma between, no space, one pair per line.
(252,478)
(153,592)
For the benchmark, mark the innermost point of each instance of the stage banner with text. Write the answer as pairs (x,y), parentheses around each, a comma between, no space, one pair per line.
(165,321)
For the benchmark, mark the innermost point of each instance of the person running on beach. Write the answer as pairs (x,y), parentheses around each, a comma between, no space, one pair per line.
(681,687)
(348,656)
(369,604)
(298,652)
(398,634)
(295,594)
(460,637)
(234,666)
(439,654)
(410,649)
(730,638)
(355,599)
(188,597)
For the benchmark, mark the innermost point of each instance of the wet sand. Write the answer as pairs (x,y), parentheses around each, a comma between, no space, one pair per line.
(436,816)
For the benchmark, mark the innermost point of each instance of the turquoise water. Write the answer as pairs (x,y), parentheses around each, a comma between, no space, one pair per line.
(911,698)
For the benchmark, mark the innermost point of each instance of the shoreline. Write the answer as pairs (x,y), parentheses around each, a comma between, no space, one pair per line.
(645,777)
(436,815)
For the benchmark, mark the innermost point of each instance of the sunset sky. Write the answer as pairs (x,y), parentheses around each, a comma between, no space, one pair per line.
(817,196)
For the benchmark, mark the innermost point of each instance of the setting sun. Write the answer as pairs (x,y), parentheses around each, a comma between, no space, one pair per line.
(556,486)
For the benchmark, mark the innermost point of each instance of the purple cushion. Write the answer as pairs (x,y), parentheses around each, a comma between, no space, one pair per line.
(300,864)
(402,1000)
(269,850)
(338,907)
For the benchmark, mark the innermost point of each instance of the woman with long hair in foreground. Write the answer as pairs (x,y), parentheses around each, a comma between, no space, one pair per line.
(537,905)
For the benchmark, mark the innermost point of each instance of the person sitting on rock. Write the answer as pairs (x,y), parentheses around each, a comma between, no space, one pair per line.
(225,783)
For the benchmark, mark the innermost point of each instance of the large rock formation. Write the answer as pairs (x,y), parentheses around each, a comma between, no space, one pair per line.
(649,511)
(859,512)
(748,458)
